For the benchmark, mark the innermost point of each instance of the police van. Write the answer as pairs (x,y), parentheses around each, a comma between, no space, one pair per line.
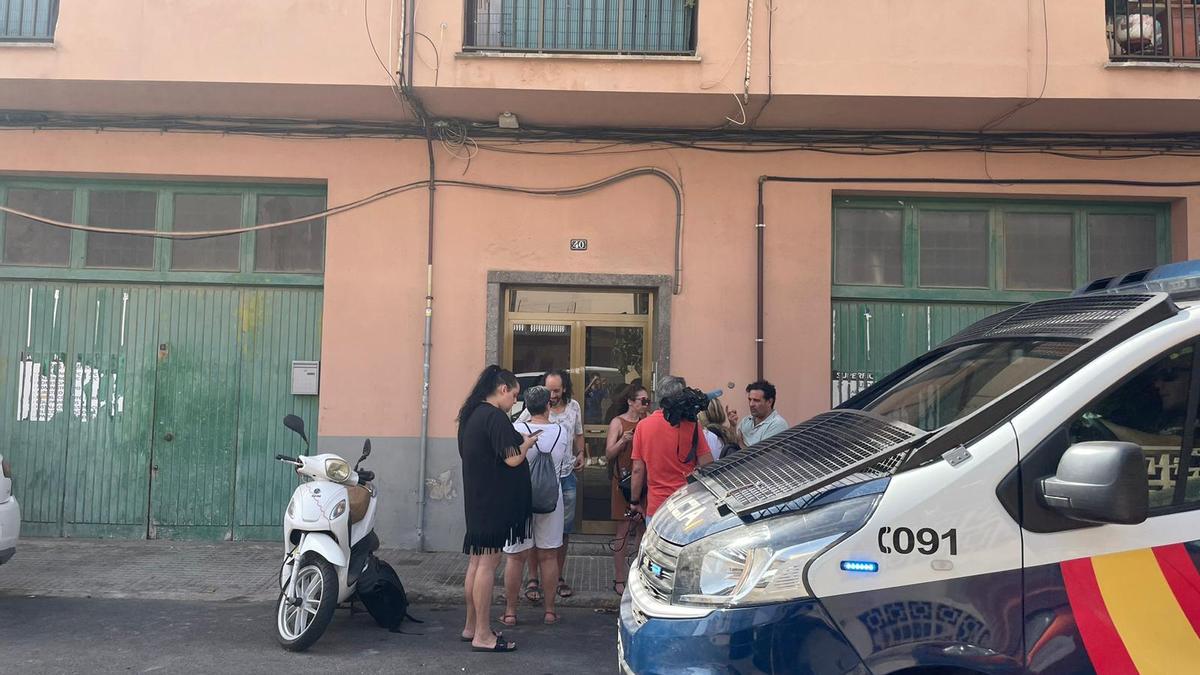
(1021,499)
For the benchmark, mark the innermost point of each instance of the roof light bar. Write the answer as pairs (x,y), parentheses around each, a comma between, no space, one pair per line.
(1176,279)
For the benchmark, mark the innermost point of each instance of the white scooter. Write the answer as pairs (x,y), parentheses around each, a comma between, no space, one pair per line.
(328,539)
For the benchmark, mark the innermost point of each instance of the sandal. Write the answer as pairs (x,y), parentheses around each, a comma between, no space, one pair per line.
(548,620)
(504,619)
(502,645)
(533,590)
(563,590)
(623,585)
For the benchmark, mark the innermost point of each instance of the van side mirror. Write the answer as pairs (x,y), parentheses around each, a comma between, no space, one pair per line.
(297,425)
(1100,482)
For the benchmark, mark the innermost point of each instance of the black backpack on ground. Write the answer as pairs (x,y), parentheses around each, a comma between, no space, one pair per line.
(379,588)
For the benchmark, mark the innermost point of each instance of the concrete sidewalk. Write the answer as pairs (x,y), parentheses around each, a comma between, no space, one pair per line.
(179,570)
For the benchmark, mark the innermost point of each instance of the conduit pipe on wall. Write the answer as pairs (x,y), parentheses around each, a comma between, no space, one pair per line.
(760,213)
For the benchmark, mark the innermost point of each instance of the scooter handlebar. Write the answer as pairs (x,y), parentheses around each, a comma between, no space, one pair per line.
(285,458)
(365,476)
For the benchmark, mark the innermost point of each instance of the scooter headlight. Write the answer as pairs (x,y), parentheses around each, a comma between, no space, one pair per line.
(764,562)
(337,470)
(338,510)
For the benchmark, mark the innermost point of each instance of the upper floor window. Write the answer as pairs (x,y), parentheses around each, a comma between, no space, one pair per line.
(1153,30)
(28,20)
(581,26)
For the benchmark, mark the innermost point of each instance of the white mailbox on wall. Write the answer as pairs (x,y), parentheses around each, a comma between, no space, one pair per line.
(306,377)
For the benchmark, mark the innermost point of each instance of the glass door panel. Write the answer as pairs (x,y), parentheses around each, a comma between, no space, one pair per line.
(537,348)
(614,357)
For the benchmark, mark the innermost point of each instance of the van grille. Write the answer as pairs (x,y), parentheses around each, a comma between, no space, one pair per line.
(809,456)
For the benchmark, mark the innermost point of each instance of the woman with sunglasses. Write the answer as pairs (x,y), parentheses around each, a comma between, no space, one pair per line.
(634,405)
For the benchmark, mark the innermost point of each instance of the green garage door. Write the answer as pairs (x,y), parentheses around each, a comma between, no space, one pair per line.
(152,410)
(142,380)
(910,273)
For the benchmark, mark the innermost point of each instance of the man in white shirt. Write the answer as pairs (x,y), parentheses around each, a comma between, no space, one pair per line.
(565,411)
(764,421)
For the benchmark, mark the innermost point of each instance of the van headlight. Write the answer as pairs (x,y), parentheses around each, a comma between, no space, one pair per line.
(337,470)
(764,562)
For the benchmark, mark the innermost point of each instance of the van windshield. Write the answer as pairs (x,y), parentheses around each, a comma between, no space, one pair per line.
(964,380)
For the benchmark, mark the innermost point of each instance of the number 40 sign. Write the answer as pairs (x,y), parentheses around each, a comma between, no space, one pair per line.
(579,244)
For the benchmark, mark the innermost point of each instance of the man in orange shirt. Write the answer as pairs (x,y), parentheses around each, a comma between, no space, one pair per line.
(664,455)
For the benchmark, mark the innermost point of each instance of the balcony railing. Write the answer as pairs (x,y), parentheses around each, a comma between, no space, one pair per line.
(1154,30)
(28,20)
(581,26)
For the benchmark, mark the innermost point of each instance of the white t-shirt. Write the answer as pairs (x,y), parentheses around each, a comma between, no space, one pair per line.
(571,419)
(715,444)
(554,439)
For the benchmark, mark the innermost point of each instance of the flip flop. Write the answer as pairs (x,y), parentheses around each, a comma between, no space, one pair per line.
(563,590)
(548,621)
(504,619)
(502,646)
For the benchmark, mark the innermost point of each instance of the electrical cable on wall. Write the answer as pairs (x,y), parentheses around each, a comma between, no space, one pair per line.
(488,136)
(568,191)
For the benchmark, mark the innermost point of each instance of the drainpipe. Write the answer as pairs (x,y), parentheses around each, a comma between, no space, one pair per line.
(428,348)
(760,228)
(408,14)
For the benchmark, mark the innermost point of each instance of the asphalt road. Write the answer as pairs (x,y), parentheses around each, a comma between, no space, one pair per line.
(56,635)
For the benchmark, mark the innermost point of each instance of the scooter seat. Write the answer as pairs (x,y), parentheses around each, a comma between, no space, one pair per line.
(360,499)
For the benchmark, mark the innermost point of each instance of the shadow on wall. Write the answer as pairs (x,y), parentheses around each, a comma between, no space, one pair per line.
(395,462)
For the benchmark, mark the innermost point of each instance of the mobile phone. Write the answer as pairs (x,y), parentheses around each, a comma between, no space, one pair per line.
(535,432)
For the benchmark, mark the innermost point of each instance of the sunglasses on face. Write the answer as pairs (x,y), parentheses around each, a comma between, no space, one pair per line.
(643,400)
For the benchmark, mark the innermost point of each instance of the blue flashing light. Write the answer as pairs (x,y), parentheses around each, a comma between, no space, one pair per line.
(1173,278)
(859,566)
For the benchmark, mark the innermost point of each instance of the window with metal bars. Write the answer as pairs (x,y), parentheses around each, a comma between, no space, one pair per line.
(28,20)
(663,27)
(1153,30)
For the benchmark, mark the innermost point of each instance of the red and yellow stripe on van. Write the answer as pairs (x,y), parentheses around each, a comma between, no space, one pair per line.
(1137,611)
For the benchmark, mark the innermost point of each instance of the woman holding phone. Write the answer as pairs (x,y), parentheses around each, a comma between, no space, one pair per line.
(497,496)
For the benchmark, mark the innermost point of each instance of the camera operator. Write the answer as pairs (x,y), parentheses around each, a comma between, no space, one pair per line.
(667,446)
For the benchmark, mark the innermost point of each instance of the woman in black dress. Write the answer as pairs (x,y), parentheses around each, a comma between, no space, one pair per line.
(497,495)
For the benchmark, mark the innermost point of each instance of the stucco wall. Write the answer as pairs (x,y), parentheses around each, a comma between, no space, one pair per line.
(374,290)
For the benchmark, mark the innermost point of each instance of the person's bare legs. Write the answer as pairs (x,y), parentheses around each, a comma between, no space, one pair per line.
(514,569)
(548,561)
(481,597)
(620,554)
(561,555)
(468,584)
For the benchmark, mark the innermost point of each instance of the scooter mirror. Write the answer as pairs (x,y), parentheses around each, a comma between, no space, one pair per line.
(297,425)
(366,449)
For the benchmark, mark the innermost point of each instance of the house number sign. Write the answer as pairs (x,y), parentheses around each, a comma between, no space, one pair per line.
(579,244)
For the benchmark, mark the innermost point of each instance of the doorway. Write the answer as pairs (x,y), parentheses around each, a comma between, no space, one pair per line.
(603,339)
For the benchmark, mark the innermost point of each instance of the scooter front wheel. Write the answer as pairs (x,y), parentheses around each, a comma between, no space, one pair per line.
(300,621)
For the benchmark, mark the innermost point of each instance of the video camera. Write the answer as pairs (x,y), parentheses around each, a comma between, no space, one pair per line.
(685,405)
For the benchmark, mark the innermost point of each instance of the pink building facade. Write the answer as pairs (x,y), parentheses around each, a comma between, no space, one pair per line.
(1005,154)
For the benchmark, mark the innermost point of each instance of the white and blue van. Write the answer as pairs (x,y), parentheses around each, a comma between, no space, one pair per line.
(1024,498)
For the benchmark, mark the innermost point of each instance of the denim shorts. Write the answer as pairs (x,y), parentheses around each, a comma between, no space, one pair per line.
(568,484)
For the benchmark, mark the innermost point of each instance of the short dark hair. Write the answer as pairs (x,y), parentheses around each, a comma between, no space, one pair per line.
(765,387)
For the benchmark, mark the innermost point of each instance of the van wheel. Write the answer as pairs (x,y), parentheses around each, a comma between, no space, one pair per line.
(301,622)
